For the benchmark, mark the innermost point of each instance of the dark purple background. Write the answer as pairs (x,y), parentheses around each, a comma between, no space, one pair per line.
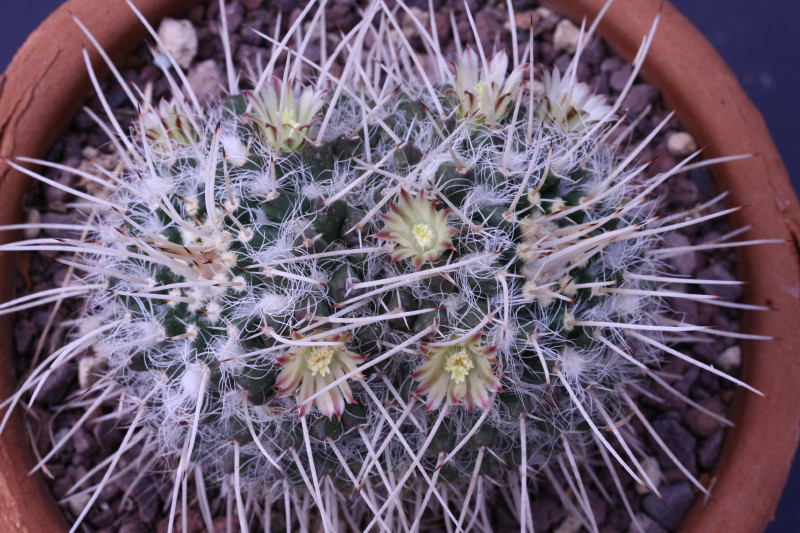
(759,40)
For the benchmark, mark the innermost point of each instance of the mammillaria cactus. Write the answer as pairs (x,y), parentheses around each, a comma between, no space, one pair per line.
(380,292)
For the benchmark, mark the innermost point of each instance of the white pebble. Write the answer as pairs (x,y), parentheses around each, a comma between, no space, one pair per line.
(89,371)
(179,39)
(566,36)
(34,217)
(731,358)
(653,471)
(77,502)
(681,144)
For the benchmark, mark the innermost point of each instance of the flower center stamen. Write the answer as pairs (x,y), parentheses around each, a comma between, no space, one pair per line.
(458,363)
(288,119)
(318,360)
(480,89)
(424,236)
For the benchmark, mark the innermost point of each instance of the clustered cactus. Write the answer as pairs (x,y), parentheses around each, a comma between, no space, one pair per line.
(386,295)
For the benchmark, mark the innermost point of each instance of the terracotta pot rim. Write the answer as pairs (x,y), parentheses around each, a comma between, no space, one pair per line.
(34,111)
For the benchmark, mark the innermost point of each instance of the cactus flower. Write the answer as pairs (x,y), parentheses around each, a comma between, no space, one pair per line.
(573,106)
(283,115)
(460,374)
(166,126)
(418,229)
(485,93)
(308,369)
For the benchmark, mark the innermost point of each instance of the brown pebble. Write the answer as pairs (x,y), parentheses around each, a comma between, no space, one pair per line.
(708,451)
(683,192)
(619,78)
(678,498)
(700,423)
(611,64)
(490,28)
(527,20)
(679,440)
(57,385)
(640,97)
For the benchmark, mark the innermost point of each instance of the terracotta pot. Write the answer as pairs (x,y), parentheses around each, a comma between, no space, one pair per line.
(46,83)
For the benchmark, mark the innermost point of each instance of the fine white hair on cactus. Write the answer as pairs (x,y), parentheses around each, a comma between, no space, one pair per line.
(372,294)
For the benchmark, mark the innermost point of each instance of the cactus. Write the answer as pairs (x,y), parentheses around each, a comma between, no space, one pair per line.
(375,291)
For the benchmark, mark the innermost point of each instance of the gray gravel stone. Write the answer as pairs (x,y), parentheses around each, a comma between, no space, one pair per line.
(619,77)
(685,309)
(489,27)
(598,504)
(687,380)
(730,358)
(679,440)
(599,84)
(678,498)
(548,511)
(640,97)
(57,385)
(611,64)
(61,218)
(594,51)
(683,192)
(24,333)
(56,198)
(566,36)
(133,527)
(708,451)
(700,423)
(83,442)
(646,524)
(720,271)
(685,263)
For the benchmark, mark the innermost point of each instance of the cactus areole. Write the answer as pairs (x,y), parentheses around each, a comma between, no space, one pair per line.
(384,280)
